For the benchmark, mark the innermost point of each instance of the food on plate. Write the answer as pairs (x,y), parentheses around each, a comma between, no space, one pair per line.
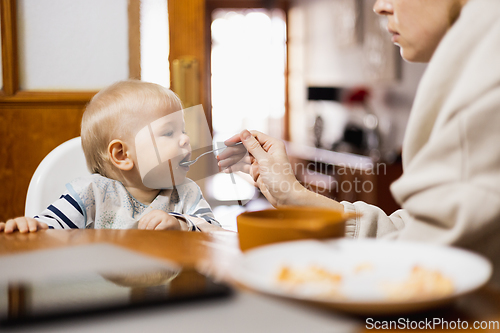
(318,282)
(311,274)
(311,281)
(363,267)
(421,284)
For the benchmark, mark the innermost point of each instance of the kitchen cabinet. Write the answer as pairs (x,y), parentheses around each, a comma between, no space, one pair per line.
(344,176)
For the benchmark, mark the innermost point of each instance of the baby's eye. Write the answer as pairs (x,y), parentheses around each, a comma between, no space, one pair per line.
(169,133)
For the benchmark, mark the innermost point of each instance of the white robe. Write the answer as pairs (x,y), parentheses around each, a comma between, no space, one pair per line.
(450,187)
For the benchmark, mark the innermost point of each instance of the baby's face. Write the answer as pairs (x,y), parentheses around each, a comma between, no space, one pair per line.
(160,147)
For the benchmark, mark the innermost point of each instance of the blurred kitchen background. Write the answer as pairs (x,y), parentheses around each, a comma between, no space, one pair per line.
(322,75)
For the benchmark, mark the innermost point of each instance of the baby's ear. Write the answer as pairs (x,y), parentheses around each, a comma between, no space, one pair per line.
(120,156)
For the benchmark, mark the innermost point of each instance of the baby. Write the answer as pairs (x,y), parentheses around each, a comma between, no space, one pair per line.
(134,140)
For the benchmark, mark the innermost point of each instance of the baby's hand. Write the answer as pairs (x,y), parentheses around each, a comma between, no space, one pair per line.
(23,224)
(160,220)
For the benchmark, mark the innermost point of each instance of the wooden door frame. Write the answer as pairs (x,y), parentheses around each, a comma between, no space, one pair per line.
(186,19)
(11,92)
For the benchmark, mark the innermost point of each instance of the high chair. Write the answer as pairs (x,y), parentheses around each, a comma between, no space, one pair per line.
(63,164)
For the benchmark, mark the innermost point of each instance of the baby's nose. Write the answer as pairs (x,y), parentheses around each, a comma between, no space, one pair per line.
(184,141)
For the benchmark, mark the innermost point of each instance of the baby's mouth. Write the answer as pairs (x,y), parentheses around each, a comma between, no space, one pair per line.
(185,159)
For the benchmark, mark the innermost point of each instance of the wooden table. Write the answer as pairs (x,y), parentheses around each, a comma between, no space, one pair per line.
(187,249)
(217,251)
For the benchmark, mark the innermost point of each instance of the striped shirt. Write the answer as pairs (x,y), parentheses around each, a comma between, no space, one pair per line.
(98,202)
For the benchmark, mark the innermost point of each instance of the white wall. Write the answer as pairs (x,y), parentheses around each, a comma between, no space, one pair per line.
(72,45)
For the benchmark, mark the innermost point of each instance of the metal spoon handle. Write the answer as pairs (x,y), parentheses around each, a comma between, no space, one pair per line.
(236,144)
(188,163)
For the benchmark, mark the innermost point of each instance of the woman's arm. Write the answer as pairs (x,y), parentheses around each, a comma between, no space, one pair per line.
(271,171)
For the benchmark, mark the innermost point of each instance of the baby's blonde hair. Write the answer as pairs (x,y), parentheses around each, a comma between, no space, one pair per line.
(112,114)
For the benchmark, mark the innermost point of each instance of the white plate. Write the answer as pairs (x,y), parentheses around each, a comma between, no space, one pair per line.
(361,289)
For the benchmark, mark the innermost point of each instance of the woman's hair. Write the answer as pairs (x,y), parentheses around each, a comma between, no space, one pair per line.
(114,113)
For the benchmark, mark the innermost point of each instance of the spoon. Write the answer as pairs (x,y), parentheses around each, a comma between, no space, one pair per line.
(188,163)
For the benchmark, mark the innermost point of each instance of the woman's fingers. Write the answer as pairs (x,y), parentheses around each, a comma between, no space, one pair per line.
(232,140)
(269,143)
(269,165)
(238,150)
(225,162)
(253,146)
(234,158)
(254,171)
(243,167)
(255,143)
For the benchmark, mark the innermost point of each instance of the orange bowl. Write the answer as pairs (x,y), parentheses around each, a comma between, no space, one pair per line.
(289,223)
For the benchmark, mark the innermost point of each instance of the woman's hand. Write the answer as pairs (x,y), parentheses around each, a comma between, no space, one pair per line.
(268,165)
(23,224)
(160,220)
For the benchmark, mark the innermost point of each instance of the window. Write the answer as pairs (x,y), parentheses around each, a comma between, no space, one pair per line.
(248,61)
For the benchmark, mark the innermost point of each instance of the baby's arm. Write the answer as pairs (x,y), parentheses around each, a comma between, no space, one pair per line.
(194,209)
(203,225)
(201,216)
(160,220)
(64,213)
(23,224)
